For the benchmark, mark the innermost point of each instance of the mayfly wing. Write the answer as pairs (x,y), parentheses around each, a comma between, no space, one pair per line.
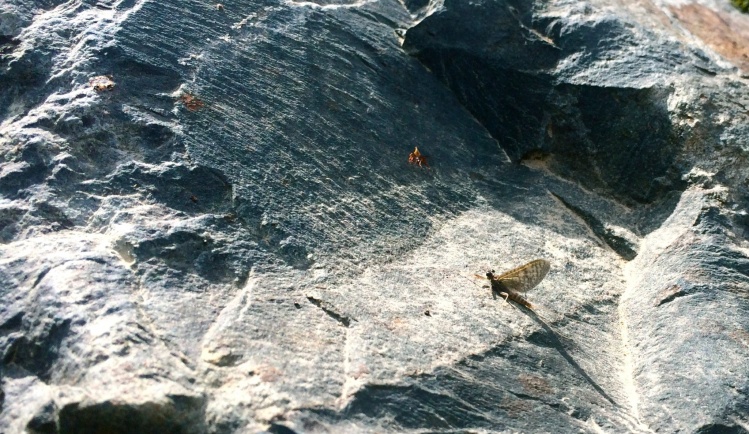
(525,277)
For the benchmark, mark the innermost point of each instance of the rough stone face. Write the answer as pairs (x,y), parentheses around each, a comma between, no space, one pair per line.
(209,223)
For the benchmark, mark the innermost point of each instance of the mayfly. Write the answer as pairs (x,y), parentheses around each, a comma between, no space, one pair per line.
(513,283)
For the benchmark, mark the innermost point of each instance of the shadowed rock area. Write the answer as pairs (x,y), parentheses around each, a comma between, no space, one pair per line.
(209,223)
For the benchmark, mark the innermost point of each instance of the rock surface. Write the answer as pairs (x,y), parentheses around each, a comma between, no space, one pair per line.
(209,223)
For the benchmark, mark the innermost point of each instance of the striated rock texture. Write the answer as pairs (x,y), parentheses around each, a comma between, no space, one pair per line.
(209,223)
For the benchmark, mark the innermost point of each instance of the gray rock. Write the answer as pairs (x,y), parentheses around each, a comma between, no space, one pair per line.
(209,223)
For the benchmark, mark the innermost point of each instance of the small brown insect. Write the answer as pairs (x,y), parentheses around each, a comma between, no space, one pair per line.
(518,280)
(416,157)
(191,102)
(100,83)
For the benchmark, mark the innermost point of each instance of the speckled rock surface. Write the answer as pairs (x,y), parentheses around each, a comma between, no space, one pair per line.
(209,223)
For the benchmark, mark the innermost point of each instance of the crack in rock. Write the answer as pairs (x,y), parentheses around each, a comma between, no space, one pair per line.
(330,310)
